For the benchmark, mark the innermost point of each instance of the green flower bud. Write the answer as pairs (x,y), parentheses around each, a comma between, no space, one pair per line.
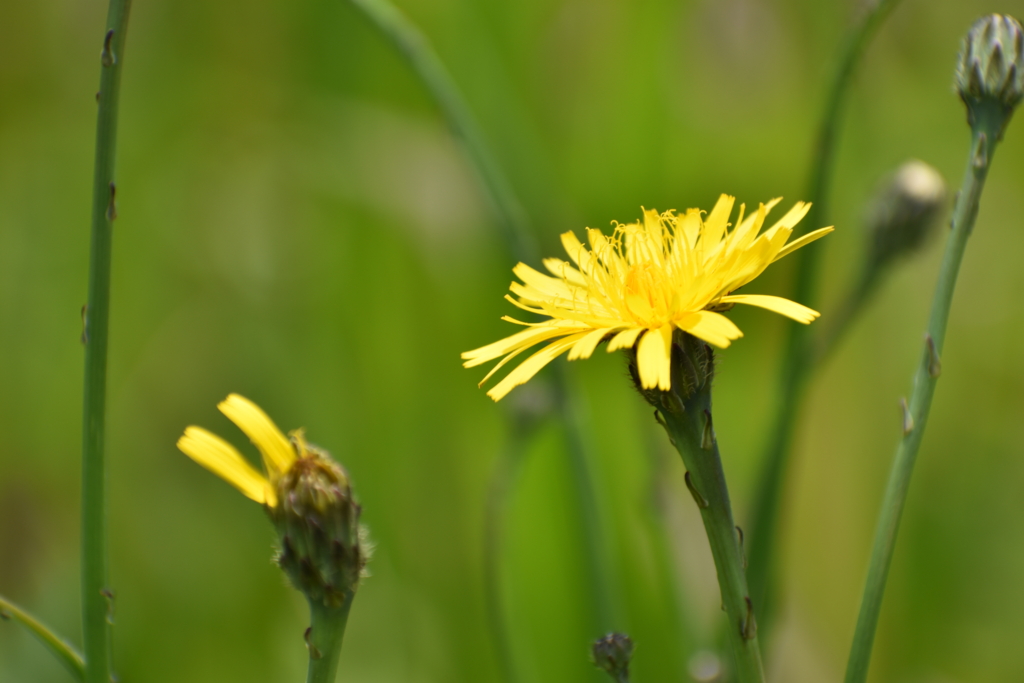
(990,69)
(612,654)
(323,550)
(904,211)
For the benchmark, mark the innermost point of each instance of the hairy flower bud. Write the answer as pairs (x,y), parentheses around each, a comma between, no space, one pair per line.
(612,654)
(904,211)
(990,68)
(317,519)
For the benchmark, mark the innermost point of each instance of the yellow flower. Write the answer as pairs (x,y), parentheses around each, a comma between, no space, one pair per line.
(224,460)
(649,278)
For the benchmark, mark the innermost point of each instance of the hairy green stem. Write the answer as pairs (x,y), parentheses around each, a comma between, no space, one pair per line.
(684,411)
(515,230)
(796,367)
(985,135)
(96,595)
(57,646)
(692,433)
(326,631)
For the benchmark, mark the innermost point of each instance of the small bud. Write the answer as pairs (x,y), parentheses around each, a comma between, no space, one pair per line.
(322,550)
(904,210)
(990,68)
(612,654)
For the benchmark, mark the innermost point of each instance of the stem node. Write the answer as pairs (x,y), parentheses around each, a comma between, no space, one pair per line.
(908,418)
(702,502)
(707,441)
(748,626)
(934,362)
(107,57)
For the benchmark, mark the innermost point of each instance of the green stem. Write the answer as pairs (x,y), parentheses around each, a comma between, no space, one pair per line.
(984,137)
(416,49)
(847,312)
(57,646)
(515,230)
(691,432)
(95,592)
(795,367)
(326,631)
(572,411)
(505,473)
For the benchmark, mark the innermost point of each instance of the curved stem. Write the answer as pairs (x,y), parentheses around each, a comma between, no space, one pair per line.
(326,631)
(515,230)
(95,592)
(692,433)
(57,646)
(796,368)
(416,49)
(985,135)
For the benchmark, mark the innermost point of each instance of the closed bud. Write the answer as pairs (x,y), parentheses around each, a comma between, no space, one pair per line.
(323,551)
(904,211)
(612,654)
(990,68)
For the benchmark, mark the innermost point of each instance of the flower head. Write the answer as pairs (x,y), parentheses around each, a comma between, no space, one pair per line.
(668,271)
(991,61)
(307,495)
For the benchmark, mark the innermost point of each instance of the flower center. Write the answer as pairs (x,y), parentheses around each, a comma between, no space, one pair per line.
(649,295)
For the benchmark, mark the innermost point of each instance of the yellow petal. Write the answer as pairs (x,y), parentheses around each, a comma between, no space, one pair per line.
(545,284)
(794,215)
(278,454)
(521,339)
(803,242)
(531,366)
(714,328)
(624,339)
(790,309)
(584,348)
(654,359)
(577,252)
(221,458)
(551,333)
(718,219)
(565,271)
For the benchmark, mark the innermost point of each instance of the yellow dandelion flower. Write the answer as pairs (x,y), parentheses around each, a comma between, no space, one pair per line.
(224,460)
(668,271)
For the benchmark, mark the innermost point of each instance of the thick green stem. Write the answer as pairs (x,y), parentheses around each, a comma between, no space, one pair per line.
(985,135)
(690,428)
(96,594)
(57,646)
(326,631)
(796,366)
(515,231)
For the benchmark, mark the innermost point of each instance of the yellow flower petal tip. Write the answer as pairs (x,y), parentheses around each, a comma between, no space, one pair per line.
(221,458)
(224,460)
(277,451)
(634,288)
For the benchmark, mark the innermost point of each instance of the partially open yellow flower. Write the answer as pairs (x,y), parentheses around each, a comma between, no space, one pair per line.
(648,279)
(224,460)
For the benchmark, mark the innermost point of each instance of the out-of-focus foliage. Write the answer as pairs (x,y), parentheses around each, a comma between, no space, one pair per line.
(296,225)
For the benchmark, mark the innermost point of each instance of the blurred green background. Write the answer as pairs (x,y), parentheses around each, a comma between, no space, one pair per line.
(297,225)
